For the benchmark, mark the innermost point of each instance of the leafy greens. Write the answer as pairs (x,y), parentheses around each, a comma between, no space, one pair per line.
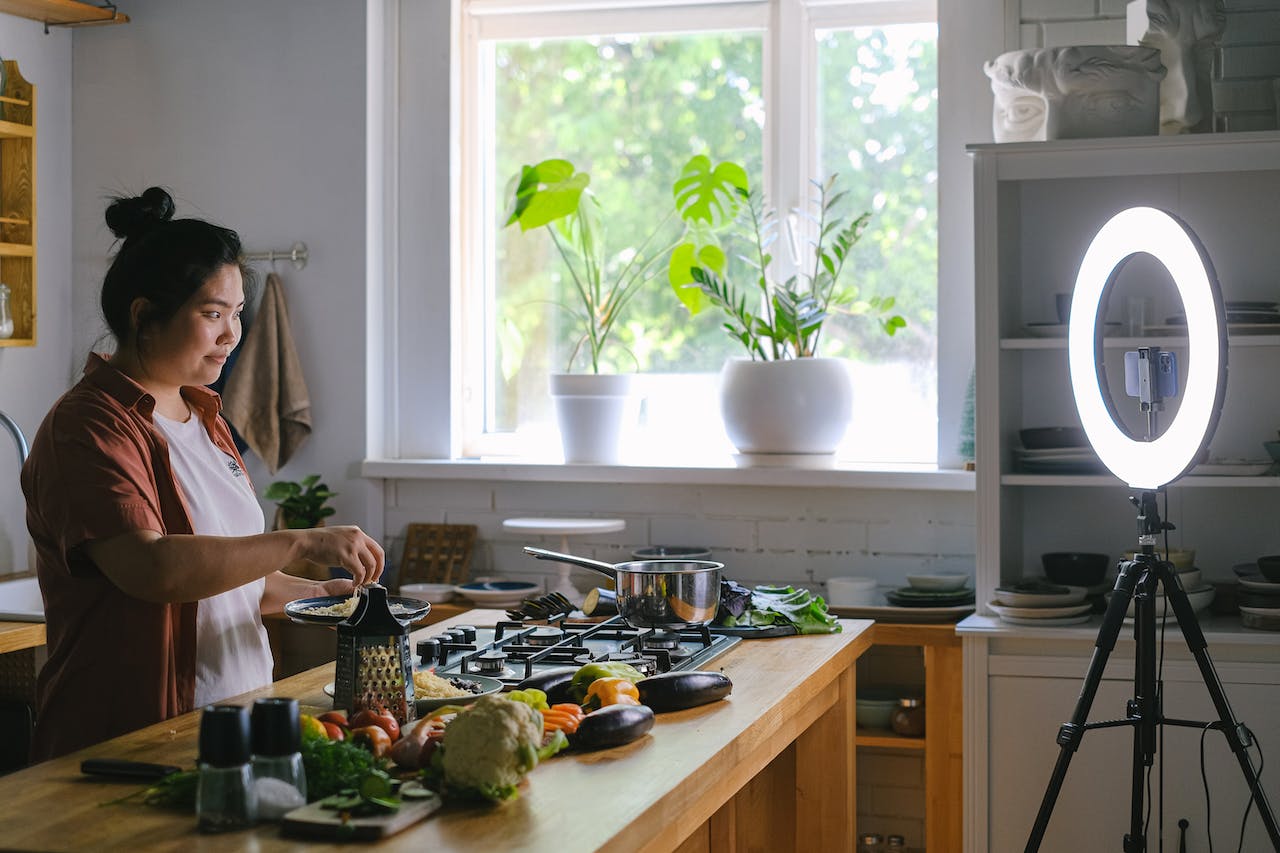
(774,605)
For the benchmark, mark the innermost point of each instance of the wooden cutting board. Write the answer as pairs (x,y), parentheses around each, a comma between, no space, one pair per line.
(312,821)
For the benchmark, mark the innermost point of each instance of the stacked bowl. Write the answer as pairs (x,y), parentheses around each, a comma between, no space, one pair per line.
(1183,560)
(942,589)
(1259,593)
(1041,604)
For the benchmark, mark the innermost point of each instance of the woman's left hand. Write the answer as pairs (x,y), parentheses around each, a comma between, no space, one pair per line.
(337,586)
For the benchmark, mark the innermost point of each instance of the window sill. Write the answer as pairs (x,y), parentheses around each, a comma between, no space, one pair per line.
(841,475)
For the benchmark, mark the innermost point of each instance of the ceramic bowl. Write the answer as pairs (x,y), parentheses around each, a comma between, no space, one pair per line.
(1270,567)
(1043,438)
(874,706)
(498,593)
(1183,559)
(1260,618)
(1073,568)
(1273,448)
(851,592)
(436,593)
(940,581)
(1200,598)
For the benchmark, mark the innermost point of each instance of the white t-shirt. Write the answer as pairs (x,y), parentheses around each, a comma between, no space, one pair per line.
(232,652)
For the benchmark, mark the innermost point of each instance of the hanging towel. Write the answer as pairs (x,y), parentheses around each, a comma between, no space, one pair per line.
(266,396)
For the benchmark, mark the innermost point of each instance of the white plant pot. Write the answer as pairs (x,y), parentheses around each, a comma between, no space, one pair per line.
(793,406)
(591,410)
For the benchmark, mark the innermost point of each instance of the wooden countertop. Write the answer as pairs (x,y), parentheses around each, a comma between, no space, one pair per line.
(15,636)
(649,795)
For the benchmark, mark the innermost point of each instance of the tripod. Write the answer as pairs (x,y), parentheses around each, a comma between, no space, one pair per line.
(1139,579)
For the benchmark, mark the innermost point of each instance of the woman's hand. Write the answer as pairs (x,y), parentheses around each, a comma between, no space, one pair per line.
(337,586)
(347,546)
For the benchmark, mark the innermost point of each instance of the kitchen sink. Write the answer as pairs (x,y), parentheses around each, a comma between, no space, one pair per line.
(20,600)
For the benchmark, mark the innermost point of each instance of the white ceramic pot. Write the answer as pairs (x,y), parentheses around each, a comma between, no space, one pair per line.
(590,410)
(794,406)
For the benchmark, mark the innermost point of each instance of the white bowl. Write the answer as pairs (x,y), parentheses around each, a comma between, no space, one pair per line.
(1199,599)
(498,593)
(435,593)
(851,592)
(1183,559)
(1014,598)
(940,581)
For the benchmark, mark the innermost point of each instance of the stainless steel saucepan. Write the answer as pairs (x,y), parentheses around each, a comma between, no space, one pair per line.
(664,594)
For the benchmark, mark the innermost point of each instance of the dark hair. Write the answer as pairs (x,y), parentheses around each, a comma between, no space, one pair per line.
(163,260)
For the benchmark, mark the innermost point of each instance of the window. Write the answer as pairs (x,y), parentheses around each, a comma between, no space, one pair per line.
(628,91)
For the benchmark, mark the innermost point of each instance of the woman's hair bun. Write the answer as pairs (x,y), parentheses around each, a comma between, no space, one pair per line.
(131,217)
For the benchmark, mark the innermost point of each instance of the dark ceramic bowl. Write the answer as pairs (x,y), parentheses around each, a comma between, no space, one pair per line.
(1045,438)
(1273,448)
(1270,567)
(1075,569)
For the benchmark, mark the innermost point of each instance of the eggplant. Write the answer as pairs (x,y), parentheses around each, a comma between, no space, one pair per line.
(600,602)
(612,725)
(675,691)
(553,682)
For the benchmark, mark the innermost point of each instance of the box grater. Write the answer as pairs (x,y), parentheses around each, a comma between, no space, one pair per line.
(374,668)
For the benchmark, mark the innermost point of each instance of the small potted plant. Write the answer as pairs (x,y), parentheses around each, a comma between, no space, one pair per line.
(300,505)
(553,194)
(782,398)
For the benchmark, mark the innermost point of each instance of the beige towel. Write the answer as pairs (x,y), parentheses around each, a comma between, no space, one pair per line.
(266,397)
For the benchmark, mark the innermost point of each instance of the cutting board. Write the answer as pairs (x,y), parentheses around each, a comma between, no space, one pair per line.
(312,821)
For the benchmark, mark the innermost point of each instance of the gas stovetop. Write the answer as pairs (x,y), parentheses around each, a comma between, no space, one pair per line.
(512,651)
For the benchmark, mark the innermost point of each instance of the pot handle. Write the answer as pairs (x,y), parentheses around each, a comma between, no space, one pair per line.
(605,569)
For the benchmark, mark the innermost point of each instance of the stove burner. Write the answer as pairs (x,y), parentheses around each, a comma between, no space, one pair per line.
(490,663)
(644,663)
(661,640)
(545,635)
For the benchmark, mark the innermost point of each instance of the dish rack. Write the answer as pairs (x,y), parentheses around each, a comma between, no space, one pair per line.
(437,553)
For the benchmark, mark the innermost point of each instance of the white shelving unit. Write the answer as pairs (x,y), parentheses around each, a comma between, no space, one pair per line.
(1037,207)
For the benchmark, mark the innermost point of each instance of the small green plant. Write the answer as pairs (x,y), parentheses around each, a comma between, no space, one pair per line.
(555,195)
(772,320)
(301,504)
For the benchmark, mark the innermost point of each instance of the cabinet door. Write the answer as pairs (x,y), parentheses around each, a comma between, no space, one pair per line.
(1092,811)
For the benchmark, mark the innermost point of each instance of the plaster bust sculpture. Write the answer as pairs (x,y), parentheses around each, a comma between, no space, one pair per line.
(1075,92)
(1185,32)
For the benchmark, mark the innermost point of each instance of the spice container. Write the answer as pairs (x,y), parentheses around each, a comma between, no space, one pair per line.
(225,797)
(872,842)
(908,718)
(279,779)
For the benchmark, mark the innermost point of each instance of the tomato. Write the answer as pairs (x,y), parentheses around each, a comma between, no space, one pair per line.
(382,719)
(334,731)
(372,738)
(338,718)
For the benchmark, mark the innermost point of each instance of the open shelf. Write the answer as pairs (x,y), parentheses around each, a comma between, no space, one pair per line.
(63,12)
(886,739)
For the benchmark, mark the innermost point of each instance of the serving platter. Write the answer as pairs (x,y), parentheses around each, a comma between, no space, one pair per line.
(1056,622)
(1072,595)
(489,685)
(410,609)
(1039,613)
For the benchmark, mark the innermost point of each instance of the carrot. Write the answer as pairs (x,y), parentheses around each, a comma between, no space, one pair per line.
(564,716)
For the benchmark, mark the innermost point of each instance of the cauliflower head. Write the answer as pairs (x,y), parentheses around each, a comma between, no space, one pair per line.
(489,748)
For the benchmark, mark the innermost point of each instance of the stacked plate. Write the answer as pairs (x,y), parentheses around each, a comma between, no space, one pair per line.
(1259,599)
(1055,450)
(1243,317)
(910,596)
(1041,604)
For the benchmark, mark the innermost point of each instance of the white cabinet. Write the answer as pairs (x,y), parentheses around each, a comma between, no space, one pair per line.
(1037,207)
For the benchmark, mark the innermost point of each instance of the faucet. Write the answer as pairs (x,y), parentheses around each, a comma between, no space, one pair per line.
(18,438)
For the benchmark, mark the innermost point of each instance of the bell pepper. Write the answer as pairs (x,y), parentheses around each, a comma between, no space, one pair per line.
(611,691)
(585,675)
(530,696)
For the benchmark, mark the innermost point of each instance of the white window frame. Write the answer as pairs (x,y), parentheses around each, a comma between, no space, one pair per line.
(413,328)
(789,81)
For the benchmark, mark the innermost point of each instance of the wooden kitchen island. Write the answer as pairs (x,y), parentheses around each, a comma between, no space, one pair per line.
(771,768)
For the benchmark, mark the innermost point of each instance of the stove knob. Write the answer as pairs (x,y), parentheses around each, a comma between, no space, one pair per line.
(428,650)
(455,636)
(468,633)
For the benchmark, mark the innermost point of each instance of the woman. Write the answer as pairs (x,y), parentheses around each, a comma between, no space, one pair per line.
(151,554)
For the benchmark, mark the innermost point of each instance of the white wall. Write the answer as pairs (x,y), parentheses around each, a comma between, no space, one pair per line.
(253,115)
(31,378)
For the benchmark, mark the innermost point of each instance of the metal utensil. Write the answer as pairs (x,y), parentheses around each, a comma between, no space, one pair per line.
(374,667)
(666,595)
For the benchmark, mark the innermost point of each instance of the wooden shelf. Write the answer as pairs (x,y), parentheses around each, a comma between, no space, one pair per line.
(18,224)
(15,130)
(16,250)
(62,12)
(885,739)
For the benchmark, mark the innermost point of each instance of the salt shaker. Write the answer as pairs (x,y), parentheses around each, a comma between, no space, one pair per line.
(279,779)
(225,798)
(6,315)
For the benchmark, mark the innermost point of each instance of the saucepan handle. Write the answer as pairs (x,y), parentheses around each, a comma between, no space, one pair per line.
(605,569)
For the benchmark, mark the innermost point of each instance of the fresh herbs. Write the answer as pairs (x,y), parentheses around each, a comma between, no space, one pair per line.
(333,766)
(175,791)
(775,605)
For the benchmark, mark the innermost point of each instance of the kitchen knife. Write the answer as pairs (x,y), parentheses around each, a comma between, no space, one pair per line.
(122,769)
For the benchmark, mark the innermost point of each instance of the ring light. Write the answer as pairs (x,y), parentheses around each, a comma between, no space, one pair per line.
(1149,464)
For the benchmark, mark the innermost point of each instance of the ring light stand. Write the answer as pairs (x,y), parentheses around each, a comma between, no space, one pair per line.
(1148,466)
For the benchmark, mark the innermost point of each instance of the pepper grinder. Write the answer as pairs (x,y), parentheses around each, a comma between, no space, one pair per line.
(225,797)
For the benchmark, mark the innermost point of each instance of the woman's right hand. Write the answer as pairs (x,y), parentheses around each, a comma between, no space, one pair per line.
(347,546)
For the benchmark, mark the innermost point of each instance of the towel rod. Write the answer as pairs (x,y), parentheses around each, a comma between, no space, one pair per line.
(297,254)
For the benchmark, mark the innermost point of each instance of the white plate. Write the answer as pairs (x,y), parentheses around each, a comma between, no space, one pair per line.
(498,593)
(1013,598)
(1056,622)
(1258,583)
(1059,330)
(1231,469)
(436,593)
(1039,613)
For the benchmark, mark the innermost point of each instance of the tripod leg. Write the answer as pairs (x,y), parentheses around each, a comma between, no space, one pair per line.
(1237,735)
(1070,734)
(1144,708)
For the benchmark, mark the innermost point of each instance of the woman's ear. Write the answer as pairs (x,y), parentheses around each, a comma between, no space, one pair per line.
(138,310)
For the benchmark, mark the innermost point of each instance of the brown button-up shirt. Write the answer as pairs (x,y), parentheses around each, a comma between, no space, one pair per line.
(100,468)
